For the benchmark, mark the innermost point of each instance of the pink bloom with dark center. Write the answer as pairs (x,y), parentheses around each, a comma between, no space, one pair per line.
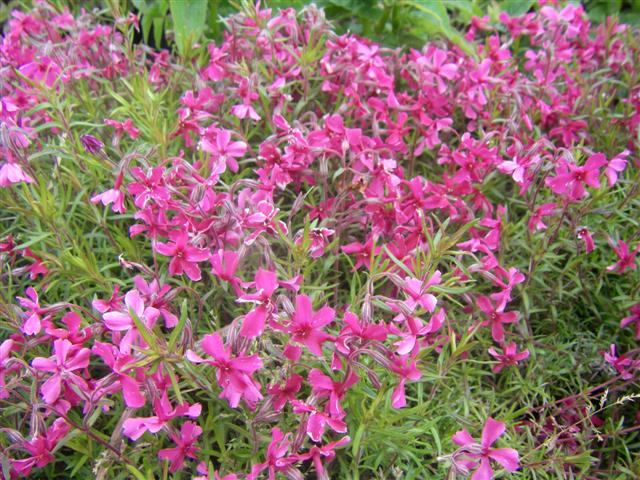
(306,325)
(184,257)
(509,356)
(185,447)
(67,359)
(497,317)
(40,448)
(626,258)
(233,373)
(481,453)
(570,179)
(222,149)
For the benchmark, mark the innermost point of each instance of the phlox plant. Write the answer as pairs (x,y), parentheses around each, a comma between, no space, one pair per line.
(297,254)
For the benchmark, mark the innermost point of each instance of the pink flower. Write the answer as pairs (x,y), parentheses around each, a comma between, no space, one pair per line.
(482,453)
(316,453)
(184,257)
(264,220)
(585,236)
(224,265)
(416,291)
(134,428)
(324,386)
(306,325)
(497,317)
(11,172)
(276,460)
(121,365)
(510,356)
(633,318)
(40,447)
(149,187)
(122,321)
(318,420)
(535,221)
(356,331)
(33,323)
(67,359)
(111,196)
(254,322)
(281,394)
(626,258)
(624,365)
(184,449)
(123,127)
(615,166)
(233,373)
(223,149)
(570,178)
(407,370)
(5,355)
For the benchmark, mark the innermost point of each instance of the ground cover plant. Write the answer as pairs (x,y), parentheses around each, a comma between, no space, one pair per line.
(293,253)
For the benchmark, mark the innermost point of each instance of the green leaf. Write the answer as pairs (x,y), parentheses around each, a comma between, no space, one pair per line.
(189,19)
(516,7)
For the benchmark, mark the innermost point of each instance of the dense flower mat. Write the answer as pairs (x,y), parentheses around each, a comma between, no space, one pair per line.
(295,253)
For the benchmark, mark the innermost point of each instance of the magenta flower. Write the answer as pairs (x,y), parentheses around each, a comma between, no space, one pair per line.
(306,325)
(34,313)
(570,179)
(497,317)
(281,394)
(510,356)
(5,355)
(327,451)
(263,220)
(626,258)
(324,386)
(185,447)
(416,291)
(223,150)
(276,460)
(357,331)
(406,370)
(233,374)
(585,236)
(266,283)
(318,420)
(122,321)
(121,365)
(11,172)
(624,365)
(134,428)
(67,359)
(149,186)
(123,127)
(481,454)
(633,318)
(224,265)
(184,257)
(91,144)
(40,447)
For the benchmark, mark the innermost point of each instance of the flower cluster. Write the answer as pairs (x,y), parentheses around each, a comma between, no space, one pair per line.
(318,218)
